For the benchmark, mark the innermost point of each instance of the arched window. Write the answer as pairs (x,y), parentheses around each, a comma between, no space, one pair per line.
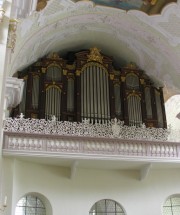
(30,205)
(106,207)
(172,206)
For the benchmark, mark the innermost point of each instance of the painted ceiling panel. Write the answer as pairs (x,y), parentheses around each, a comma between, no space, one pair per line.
(122,4)
(148,6)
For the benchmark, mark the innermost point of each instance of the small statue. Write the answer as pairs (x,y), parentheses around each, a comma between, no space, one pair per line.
(116,128)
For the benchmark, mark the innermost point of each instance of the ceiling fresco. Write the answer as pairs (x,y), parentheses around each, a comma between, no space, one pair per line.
(148,6)
(122,4)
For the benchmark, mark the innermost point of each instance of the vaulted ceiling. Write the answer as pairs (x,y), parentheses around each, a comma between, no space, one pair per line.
(152,42)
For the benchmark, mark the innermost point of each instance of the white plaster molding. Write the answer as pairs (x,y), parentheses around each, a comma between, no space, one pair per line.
(144,171)
(73,169)
(2,12)
(146,40)
(38,145)
(14,92)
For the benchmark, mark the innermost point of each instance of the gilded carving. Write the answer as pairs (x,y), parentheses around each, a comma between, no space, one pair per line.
(142,81)
(95,55)
(70,66)
(78,72)
(132,65)
(64,72)
(111,76)
(11,41)
(123,79)
(53,55)
(41,5)
(54,64)
(43,70)
(94,64)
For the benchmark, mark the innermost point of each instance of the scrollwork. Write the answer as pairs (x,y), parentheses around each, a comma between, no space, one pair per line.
(112,129)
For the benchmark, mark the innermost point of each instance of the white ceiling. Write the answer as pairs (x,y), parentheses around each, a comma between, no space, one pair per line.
(152,42)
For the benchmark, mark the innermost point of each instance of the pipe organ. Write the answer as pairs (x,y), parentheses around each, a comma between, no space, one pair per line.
(87,86)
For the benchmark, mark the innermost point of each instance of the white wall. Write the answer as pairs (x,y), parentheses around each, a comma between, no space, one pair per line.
(76,196)
(3,41)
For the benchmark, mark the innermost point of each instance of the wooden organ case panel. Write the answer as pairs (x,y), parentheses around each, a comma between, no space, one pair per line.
(89,87)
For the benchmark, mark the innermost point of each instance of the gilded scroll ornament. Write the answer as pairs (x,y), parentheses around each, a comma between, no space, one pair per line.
(142,81)
(11,41)
(43,70)
(123,79)
(53,55)
(71,67)
(65,72)
(95,55)
(111,76)
(132,65)
(78,72)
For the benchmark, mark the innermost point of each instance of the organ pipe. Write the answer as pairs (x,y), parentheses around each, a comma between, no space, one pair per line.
(95,94)
(90,88)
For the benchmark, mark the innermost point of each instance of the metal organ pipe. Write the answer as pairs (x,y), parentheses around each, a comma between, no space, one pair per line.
(53,103)
(70,95)
(134,110)
(95,94)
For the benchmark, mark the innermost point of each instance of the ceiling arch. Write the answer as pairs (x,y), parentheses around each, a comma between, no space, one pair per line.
(127,36)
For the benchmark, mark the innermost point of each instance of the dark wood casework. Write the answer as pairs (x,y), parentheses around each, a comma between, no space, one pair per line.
(87,86)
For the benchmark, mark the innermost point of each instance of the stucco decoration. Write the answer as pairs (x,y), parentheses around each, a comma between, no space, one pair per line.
(14,91)
(127,36)
(172,107)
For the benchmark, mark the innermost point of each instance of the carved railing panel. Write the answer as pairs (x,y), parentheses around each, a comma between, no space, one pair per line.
(112,129)
(113,139)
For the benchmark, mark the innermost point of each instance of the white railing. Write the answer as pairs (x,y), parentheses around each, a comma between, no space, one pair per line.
(113,140)
(54,145)
(112,129)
